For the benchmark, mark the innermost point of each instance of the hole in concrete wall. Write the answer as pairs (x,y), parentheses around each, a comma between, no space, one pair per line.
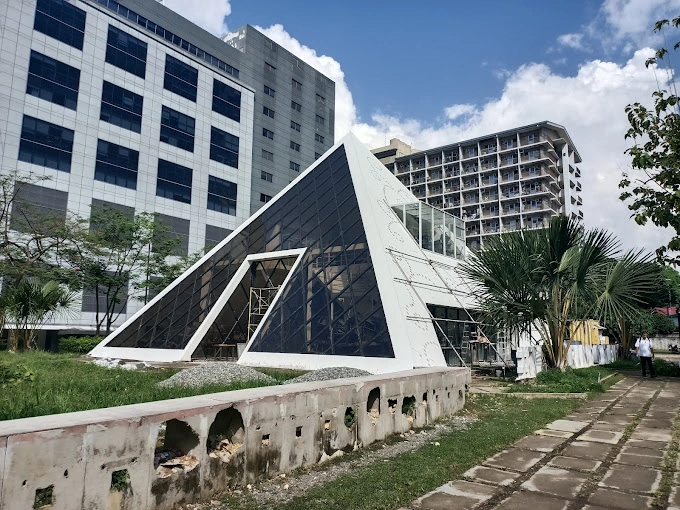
(175,440)
(425,397)
(373,403)
(23,484)
(460,393)
(265,440)
(66,473)
(298,432)
(392,405)
(44,497)
(408,407)
(120,481)
(327,425)
(448,395)
(226,435)
(433,392)
(467,388)
(350,417)
(436,398)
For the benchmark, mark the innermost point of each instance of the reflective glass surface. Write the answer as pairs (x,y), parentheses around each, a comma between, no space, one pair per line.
(126,52)
(433,229)
(45,144)
(121,107)
(53,81)
(223,147)
(221,195)
(177,129)
(331,304)
(174,181)
(60,20)
(227,101)
(180,78)
(116,165)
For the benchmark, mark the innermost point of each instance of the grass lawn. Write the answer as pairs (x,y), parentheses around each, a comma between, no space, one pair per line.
(661,366)
(390,485)
(582,380)
(64,384)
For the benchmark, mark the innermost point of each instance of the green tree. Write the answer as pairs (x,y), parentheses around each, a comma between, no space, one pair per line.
(549,277)
(656,155)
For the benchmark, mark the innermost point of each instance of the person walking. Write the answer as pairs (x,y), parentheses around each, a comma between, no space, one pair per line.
(645,351)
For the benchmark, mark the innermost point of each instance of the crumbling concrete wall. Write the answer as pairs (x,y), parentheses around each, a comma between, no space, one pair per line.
(110,458)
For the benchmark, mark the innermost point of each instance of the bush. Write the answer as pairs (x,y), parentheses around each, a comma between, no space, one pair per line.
(581,380)
(78,344)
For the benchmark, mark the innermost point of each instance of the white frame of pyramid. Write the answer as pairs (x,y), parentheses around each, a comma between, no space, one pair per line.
(406,276)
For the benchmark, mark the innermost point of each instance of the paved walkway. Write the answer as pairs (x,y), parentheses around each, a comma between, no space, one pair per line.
(617,451)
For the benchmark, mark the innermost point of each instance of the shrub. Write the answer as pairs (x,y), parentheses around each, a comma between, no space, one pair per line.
(14,375)
(78,344)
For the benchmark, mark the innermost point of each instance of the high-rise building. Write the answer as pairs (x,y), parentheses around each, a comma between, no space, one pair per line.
(519,178)
(127,104)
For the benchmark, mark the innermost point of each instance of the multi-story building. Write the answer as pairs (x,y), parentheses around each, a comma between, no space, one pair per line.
(127,104)
(519,178)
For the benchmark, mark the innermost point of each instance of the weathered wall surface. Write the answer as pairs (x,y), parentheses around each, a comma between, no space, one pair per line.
(227,439)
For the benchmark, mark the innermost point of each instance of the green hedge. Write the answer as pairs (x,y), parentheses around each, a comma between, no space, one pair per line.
(78,344)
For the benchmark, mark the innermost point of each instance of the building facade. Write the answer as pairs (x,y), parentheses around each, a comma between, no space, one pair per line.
(519,178)
(129,105)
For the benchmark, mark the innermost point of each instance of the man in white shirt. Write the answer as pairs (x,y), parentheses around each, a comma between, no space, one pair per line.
(645,351)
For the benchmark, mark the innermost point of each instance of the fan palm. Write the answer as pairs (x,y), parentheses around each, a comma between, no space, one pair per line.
(28,304)
(552,276)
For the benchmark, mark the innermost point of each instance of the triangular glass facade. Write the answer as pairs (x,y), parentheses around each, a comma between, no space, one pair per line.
(330,305)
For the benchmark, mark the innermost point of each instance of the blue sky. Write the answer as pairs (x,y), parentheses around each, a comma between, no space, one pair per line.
(437,72)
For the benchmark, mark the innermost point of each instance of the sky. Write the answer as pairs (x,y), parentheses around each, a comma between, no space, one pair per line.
(439,72)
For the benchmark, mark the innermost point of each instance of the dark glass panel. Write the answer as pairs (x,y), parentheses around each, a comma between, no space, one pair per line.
(126,52)
(116,165)
(121,107)
(226,100)
(224,147)
(177,129)
(60,20)
(180,78)
(45,144)
(53,81)
(174,181)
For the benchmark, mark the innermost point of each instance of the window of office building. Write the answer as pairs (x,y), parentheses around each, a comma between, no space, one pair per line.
(97,301)
(223,147)
(180,78)
(174,181)
(317,155)
(265,198)
(268,133)
(53,81)
(268,112)
(296,106)
(214,235)
(126,52)
(61,20)
(101,211)
(177,129)
(294,125)
(45,144)
(294,166)
(226,101)
(295,146)
(266,176)
(319,138)
(297,86)
(116,165)
(269,156)
(221,195)
(37,208)
(268,68)
(177,228)
(320,99)
(121,107)
(320,120)
(269,91)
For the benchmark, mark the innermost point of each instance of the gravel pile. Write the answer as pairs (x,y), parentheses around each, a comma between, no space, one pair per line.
(215,373)
(328,374)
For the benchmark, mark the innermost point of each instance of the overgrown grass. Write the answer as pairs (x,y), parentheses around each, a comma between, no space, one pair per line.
(63,384)
(389,485)
(582,380)
(661,366)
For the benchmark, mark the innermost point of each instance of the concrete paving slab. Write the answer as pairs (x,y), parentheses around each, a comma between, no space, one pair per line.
(585,450)
(556,481)
(608,426)
(582,417)
(651,445)
(619,500)
(515,459)
(631,478)
(456,495)
(638,460)
(522,500)
(601,436)
(656,423)
(567,425)
(539,443)
(491,475)
(554,433)
(636,450)
(574,463)
(663,436)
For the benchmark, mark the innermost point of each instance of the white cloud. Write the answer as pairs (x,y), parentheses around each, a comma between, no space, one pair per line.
(633,20)
(574,41)
(459,110)
(210,15)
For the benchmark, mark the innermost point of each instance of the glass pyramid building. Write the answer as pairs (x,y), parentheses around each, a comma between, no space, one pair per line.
(331,272)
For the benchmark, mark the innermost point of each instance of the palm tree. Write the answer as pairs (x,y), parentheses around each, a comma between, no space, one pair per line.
(552,276)
(28,305)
